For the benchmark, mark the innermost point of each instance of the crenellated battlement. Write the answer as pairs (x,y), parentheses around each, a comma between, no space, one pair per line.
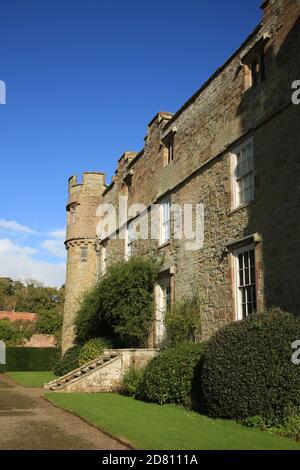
(89,178)
(91,185)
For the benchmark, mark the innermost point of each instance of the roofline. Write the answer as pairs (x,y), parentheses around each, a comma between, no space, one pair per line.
(212,77)
(166,113)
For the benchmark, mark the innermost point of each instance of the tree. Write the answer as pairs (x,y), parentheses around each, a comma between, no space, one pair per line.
(49,321)
(120,306)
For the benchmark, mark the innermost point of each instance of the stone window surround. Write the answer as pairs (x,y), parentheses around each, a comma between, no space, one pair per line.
(256,55)
(72,212)
(234,203)
(243,288)
(84,253)
(165,222)
(167,145)
(255,240)
(164,277)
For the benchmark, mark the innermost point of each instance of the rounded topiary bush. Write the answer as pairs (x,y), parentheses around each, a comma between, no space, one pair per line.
(92,349)
(247,368)
(169,377)
(68,362)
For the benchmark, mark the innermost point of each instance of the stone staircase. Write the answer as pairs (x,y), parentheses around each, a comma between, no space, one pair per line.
(103,374)
(92,376)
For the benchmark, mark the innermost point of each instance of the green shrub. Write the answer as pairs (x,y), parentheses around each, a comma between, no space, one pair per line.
(169,377)
(68,362)
(131,381)
(92,349)
(290,427)
(256,422)
(30,359)
(247,368)
(120,306)
(183,321)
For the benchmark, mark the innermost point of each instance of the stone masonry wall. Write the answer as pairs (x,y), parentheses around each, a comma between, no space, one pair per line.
(222,114)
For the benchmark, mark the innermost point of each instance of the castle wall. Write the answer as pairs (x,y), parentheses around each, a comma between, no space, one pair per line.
(82,259)
(224,113)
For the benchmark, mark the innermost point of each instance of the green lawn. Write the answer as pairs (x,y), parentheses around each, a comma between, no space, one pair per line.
(149,426)
(31,379)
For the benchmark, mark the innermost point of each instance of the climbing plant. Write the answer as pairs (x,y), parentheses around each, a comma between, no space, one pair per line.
(120,306)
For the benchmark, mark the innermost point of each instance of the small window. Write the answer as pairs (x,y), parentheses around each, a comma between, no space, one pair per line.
(73,213)
(245,273)
(243,174)
(84,254)
(165,221)
(255,61)
(258,70)
(168,147)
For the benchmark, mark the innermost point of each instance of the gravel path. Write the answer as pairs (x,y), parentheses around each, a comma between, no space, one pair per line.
(28,422)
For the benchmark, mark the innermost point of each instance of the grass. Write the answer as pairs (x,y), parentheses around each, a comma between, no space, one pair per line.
(149,426)
(31,379)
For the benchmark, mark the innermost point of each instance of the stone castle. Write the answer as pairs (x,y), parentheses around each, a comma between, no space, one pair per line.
(233,147)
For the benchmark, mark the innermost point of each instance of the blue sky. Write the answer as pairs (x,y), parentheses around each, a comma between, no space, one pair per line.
(84,78)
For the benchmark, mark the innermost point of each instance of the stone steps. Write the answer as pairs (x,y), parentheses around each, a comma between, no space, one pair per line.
(78,374)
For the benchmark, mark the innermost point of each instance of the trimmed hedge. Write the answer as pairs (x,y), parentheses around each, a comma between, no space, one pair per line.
(247,368)
(169,377)
(68,362)
(30,359)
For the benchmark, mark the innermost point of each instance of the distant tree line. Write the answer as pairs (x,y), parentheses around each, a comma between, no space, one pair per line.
(30,296)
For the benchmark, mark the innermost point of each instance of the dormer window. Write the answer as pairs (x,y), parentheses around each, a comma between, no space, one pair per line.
(168,148)
(258,70)
(255,62)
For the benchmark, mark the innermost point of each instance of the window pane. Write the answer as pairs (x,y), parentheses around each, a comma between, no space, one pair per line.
(241,261)
(244,310)
(244,174)
(247,277)
(246,283)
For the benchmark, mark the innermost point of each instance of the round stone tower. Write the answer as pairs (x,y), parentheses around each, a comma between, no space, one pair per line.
(82,261)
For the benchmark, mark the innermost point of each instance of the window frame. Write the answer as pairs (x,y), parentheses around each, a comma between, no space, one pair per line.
(164,224)
(239,314)
(236,199)
(168,148)
(259,62)
(73,213)
(84,253)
